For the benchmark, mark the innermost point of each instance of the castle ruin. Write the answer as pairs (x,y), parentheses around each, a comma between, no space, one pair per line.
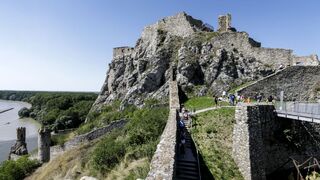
(20,147)
(224,23)
(44,139)
(122,51)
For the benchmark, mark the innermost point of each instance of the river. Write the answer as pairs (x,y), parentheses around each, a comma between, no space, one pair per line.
(9,121)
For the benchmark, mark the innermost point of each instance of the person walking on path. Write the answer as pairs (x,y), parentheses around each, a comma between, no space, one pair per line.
(215,99)
(270,99)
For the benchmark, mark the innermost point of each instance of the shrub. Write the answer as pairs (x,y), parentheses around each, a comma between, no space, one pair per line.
(108,154)
(24,112)
(16,170)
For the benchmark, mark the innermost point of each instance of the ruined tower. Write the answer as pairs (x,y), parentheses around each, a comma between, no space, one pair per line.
(20,147)
(44,139)
(225,23)
(21,134)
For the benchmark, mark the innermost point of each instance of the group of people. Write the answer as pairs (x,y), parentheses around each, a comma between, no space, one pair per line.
(184,116)
(234,99)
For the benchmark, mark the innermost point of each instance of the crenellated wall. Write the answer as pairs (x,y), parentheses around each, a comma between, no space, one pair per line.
(162,163)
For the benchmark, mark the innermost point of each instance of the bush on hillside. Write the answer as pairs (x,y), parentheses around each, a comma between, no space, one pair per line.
(138,139)
(16,170)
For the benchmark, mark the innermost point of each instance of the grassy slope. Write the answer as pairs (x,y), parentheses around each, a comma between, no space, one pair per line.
(213,134)
(197,103)
(123,154)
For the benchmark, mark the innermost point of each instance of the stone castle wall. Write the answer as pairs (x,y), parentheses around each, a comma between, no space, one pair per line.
(94,134)
(122,51)
(260,141)
(274,57)
(248,149)
(162,163)
(311,60)
(297,82)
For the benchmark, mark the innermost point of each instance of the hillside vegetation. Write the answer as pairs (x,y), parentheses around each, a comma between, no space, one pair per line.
(16,170)
(123,154)
(56,110)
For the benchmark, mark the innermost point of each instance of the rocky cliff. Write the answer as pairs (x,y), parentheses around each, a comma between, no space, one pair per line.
(195,54)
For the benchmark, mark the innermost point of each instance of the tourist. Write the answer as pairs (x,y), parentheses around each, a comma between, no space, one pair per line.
(224,93)
(182,144)
(215,98)
(181,124)
(248,100)
(232,99)
(259,97)
(270,99)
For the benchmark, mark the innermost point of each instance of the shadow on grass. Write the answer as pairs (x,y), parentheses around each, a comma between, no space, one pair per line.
(205,172)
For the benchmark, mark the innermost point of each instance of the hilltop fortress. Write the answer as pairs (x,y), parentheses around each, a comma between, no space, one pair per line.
(213,61)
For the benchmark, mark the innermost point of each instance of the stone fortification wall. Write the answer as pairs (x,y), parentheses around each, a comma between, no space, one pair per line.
(297,82)
(248,149)
(57,150)
(241,42)
(273,57)
(122,51)
(181,25)
(264,143)
(162,163)
(311,60)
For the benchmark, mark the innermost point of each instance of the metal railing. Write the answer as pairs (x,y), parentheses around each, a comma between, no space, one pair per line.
(301,110)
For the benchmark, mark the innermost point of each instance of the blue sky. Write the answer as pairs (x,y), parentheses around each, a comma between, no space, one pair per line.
(65,45)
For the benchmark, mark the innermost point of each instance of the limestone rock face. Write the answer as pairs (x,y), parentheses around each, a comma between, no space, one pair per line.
(199,57)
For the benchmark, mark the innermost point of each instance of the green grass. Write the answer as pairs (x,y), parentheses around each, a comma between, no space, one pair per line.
(213,134)
(60,139)
(197,103)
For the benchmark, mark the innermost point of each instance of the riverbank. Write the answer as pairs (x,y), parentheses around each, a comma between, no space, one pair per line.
(9,121)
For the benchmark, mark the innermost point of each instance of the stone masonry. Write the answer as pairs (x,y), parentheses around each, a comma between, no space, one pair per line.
(85,138)
(224,23)
(300,83)
(248,150)
(162,163)
(44,139)
(20,147)
(263,144)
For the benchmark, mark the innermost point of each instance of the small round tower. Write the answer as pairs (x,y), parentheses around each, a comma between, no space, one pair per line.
(44,139)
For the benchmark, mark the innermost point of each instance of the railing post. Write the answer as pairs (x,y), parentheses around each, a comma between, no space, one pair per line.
(281,100)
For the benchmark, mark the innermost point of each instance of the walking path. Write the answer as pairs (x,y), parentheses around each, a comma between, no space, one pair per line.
(211,108)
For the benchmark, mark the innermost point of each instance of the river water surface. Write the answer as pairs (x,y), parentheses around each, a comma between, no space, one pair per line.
(9,121)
